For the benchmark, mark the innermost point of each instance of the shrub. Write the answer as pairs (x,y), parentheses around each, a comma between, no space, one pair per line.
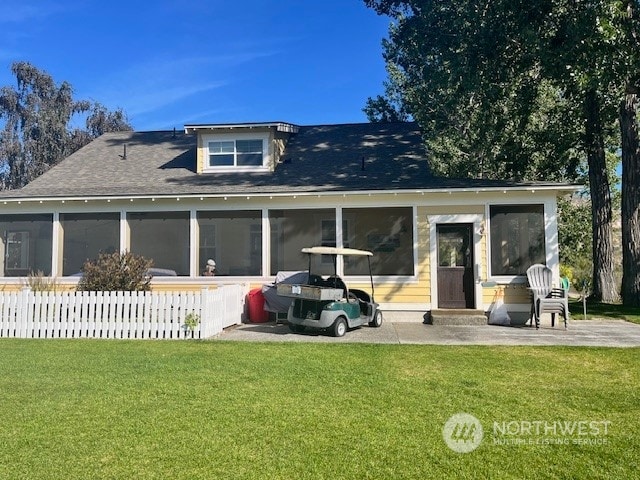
(191,321)
(116,272)
(39,282)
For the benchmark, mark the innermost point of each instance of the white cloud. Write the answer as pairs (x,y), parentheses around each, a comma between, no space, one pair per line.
(149,86)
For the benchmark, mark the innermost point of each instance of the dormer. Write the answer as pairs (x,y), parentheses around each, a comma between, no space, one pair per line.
(242,148)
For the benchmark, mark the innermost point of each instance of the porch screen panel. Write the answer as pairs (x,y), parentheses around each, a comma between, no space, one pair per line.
(27,242)
(293,230)
(162,237)
(233,240)
(387,232)
(86,235)
(517,238)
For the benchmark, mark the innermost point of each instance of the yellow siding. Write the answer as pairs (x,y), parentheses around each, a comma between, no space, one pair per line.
(451,210)
(194,286)
(512,294)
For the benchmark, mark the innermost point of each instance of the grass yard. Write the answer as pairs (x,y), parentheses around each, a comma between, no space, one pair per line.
(604,310)
(80,409)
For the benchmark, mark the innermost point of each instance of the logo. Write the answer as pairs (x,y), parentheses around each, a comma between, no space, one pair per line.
(462,433)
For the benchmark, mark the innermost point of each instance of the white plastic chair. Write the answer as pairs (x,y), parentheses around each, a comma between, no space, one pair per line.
(546,298)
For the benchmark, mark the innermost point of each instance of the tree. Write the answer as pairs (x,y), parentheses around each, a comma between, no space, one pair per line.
(629,15)
(512,89)
(630,199)
(99,120)
(36,133)
(574,228)
(464,71)
(380,109)
(580,58)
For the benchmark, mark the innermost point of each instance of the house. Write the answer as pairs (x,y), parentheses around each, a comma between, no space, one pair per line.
(251,196)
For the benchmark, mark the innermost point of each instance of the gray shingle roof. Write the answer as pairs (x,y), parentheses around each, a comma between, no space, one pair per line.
(317,159)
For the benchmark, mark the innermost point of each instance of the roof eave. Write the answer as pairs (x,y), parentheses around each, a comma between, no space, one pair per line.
(278,126)
(559,189)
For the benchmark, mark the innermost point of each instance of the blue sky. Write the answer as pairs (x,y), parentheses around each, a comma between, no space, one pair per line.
(167,63)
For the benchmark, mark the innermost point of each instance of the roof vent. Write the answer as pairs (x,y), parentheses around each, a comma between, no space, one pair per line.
(124,152)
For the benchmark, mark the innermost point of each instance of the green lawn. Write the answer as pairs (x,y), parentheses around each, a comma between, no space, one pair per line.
(94,409)
(604,310)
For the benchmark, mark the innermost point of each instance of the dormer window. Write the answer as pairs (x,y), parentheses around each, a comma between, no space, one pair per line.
(226,153)
(240,147)
(237,153)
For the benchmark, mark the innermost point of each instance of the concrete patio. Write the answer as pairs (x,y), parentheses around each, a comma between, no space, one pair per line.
(595,333)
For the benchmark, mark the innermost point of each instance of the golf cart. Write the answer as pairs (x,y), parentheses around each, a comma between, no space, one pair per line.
(328,303)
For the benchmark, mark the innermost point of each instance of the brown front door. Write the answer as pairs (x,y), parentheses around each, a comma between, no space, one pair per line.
(455,266)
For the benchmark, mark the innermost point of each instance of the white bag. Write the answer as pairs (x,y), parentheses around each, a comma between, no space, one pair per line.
(499,314)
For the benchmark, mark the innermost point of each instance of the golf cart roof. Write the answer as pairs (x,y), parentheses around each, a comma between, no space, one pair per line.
(336,251)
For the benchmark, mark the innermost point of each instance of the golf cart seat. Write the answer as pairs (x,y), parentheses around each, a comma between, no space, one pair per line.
(334,281)
(364,299)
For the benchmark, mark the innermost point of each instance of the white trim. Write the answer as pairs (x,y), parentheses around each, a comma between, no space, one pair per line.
(339,240)
(279,126)
(194,251)
(124,231)
(434,221)
(558,189)
(56,248)
(416,241)
(335,251)
(266,242)
(551,231)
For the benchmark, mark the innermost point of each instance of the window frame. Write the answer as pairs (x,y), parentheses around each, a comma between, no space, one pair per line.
(234,137)
(520,277)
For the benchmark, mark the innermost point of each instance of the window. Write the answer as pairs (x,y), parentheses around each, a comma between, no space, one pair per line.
(27,242)
(86,235)
(388,233)
(233,240)
(329,238)
(236,153)
(163,238)
(517,238)
(293,230)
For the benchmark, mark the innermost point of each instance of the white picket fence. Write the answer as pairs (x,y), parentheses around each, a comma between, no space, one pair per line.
(152,315)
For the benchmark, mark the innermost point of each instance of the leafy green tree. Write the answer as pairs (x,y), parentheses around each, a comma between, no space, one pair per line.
(36,132)
(513,89)
(478,94)
(574,230)
(380,109)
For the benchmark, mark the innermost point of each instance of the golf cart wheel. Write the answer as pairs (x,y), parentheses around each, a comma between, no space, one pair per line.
(376,321)
(339,327)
